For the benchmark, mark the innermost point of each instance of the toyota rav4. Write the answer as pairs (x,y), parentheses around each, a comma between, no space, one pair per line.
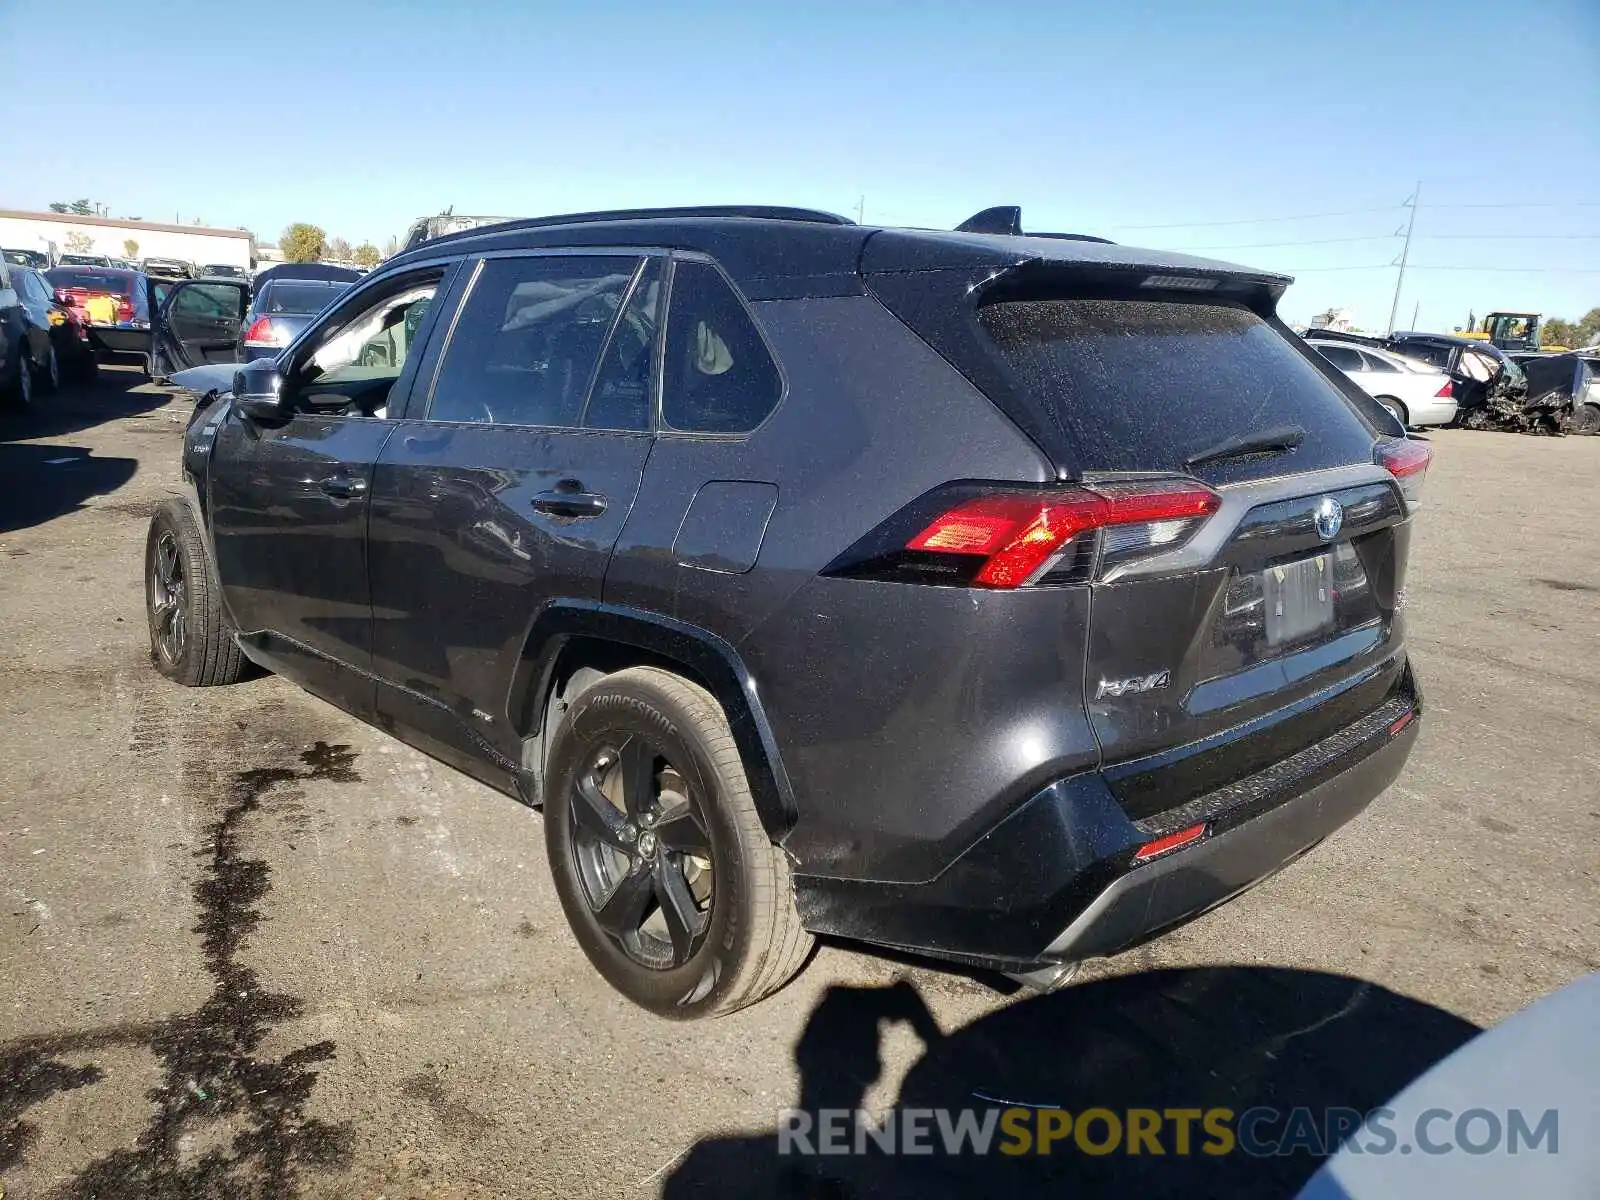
(1007,599)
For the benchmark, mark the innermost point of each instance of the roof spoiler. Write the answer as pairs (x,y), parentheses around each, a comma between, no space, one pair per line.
(1006,220)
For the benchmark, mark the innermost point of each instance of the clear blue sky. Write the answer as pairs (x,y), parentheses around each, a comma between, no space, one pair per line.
(1107,117)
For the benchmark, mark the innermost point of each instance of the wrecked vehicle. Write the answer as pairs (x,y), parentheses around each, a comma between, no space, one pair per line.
(1566,386)
(1491,389)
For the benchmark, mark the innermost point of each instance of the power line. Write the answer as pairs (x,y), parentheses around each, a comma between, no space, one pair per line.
(1508,237)
(1349,212)
(1529,204)
(1522,270)
(1376,237)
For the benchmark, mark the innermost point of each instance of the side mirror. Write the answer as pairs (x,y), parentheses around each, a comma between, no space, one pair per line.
(258,391)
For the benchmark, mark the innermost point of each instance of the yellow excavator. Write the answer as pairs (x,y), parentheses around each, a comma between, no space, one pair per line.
(1511,331)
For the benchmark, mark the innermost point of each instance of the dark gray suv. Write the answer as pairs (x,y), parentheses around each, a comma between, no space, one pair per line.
(1008,599)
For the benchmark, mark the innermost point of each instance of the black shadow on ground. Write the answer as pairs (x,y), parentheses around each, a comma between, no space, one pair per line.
(41,482)
(1201,1038)
(77,406)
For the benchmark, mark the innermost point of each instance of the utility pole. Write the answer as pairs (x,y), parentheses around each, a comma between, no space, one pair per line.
(1405,253)
(861,210)
(1416,312)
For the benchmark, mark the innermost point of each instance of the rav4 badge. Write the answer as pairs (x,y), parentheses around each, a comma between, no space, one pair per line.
(1132,687)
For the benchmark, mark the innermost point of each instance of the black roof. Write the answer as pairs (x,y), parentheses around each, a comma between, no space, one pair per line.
(774,253)
(1448,339)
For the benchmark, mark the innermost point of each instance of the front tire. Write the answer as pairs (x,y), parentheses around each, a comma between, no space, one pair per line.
(191,641)
(668,879)
(1585,420)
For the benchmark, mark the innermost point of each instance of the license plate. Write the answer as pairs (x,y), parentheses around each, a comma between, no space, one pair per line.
(1299,598)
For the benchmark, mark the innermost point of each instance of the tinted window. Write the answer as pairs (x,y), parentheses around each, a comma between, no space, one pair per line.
(1342,357)
(621,397)
(528,340)
(1144,384)
(210,300)
(720,377)
(35,286)
(92,281)
(1438,355)
(291,298)
(1381,366)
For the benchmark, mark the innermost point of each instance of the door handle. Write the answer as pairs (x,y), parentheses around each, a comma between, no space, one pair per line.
(344,487)
(575,504)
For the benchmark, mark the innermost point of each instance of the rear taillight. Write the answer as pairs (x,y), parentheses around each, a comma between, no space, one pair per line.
(262,333)
(1013,539)
(1407,460)
(1447,392)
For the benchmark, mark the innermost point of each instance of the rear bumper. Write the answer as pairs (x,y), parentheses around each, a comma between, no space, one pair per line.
(1433,412)
(1057,880)
(120,339)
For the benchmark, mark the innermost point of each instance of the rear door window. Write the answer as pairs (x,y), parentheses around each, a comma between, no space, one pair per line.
(1378,365)
(529,338)
(1342,357)
(1139,384)
(720,377)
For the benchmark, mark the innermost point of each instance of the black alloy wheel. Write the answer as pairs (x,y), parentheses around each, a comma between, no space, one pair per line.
(643,853)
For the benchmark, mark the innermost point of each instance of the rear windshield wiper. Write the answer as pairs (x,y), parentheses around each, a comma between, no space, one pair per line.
(1265,441)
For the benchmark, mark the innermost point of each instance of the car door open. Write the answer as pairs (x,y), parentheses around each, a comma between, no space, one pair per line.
(198,322)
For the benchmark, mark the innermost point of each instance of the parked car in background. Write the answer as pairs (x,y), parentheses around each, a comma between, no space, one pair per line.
(323,271)
(1489,385)
(280,309)
(27,353)
(83,260)
(72,353)
(223,271)
(1416,393)
(823,579)
(37,259)
(168,268)
(114,305)
(123,264)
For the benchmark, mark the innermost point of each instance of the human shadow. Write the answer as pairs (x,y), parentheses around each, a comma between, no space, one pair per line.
(1236,1038)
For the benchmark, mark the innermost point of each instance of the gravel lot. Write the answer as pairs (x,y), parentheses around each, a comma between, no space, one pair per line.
(253,947)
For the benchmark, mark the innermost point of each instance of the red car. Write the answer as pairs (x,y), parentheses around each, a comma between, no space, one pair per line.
(114,305)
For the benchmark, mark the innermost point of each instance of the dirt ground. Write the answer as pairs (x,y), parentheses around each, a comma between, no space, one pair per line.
(252,947)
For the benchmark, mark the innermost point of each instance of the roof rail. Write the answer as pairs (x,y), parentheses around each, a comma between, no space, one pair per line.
(767,212)
(1006,220)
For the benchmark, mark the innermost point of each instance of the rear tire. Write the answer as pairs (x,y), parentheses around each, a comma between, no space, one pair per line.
(1396,410)
(668,880)
(49,374)
(16,391)
(191,641)
(1586,420)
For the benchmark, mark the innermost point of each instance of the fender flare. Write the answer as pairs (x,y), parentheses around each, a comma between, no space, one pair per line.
(711,661)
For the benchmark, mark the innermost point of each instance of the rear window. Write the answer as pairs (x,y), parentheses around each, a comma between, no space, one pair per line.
(92,281)
(1138,384)
(298,298)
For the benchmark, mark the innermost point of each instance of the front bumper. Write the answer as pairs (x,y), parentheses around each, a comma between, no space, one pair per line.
(1057,880)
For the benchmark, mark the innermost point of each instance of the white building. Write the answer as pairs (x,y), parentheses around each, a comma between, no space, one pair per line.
(67,233)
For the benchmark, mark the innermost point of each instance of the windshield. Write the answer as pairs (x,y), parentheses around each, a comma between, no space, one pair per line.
(91,281)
